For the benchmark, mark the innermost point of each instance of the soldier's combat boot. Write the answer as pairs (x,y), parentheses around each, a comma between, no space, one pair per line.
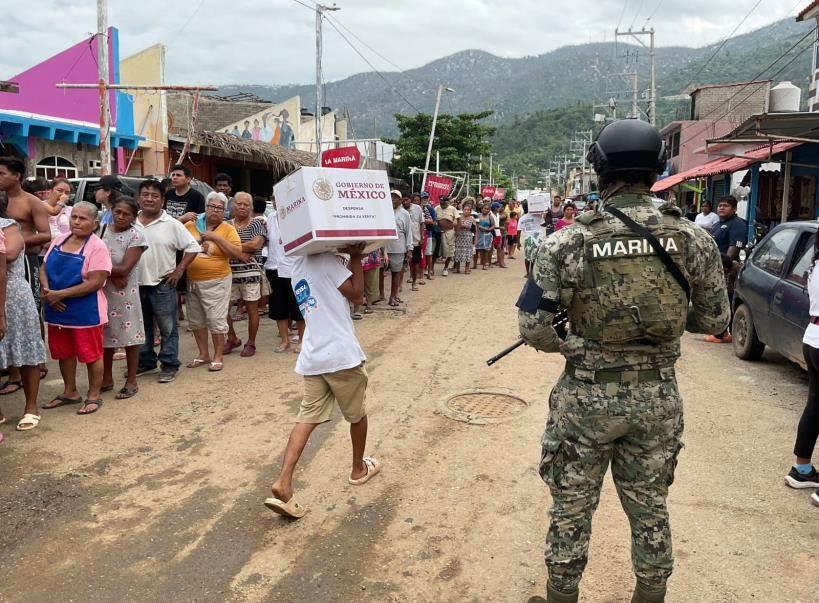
(558,596)
(644,595)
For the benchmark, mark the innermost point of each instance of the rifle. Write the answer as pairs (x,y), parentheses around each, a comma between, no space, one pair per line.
(559,323)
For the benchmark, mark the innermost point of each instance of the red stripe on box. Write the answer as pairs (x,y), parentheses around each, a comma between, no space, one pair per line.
(362,232)
(295,243)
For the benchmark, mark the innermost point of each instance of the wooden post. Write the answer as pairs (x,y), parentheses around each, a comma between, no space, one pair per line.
(786,187)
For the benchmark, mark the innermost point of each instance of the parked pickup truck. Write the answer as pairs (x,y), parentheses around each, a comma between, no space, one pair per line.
(771,305)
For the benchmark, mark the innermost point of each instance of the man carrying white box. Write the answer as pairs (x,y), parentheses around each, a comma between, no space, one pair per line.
(332,363)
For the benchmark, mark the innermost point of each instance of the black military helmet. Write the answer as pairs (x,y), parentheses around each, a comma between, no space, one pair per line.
(627,145)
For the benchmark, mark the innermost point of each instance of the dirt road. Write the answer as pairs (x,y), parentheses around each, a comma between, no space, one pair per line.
(160,498)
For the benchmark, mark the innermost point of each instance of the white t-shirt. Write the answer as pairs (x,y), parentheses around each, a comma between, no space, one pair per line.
(329,344)
(416,219)
(276,259)
(706,222)
(812,332)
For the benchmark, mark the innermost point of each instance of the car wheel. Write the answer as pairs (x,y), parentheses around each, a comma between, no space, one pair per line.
(746,344)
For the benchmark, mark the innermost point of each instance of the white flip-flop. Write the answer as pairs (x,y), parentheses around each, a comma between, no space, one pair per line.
(29,420)
(373,467)
(290,508)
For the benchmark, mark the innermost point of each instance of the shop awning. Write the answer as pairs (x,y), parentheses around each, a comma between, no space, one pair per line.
(724,165)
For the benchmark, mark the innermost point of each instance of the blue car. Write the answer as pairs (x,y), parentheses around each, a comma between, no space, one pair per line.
(771,305)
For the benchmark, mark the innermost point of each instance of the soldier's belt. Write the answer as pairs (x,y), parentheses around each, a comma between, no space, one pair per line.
(632,377)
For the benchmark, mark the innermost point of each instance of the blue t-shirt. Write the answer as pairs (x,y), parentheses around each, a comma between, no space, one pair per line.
(732,232)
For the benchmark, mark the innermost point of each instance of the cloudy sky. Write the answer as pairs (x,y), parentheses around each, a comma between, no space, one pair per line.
(273,41)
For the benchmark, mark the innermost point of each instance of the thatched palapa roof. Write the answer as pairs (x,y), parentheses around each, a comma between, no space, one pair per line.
(277,158)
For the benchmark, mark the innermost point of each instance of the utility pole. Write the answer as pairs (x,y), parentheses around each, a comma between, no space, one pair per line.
(320,8)
(491,178)
(638,35)
(441,89)
(105,87)
(102,72)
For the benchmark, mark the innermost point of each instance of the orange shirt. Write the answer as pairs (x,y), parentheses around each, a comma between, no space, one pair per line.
(212,263)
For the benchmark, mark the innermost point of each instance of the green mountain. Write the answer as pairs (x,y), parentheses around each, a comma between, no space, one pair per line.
(538,100)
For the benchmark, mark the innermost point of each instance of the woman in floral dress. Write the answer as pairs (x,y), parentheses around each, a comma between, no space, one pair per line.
(124,328)
(464,237)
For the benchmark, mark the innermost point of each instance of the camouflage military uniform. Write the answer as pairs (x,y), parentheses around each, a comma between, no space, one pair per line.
(618,400)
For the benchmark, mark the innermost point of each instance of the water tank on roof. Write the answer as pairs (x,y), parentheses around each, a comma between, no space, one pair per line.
(785,98)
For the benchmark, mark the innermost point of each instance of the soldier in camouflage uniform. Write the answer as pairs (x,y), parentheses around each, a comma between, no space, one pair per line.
(617,401)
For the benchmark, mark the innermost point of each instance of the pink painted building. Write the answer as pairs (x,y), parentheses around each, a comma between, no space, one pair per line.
(57,130)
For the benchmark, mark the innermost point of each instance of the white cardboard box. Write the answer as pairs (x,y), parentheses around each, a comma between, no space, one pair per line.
(322,209)
(539,202)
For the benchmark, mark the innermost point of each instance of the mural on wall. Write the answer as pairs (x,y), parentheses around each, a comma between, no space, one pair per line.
(276,124)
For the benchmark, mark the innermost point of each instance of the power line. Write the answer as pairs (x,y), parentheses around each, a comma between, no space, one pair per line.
(186,23)
(755,78)
(622,14)
(381,75)
(723,43)
(654,12)
(637,14)
(367,46)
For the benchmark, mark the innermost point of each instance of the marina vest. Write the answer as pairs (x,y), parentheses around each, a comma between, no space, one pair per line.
(627,295)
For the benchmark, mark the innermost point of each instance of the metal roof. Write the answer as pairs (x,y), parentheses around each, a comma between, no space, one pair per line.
(773,127)
(804,12)
(724,165)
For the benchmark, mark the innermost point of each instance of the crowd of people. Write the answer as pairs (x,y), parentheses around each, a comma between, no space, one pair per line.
(93,283)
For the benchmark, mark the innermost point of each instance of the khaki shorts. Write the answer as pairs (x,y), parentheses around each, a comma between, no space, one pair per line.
(208,303)
(246,291)
(448,244)
(348,388)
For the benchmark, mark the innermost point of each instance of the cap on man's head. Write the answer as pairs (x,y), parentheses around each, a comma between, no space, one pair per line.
(110,182)
(425,195)
(396,193)
(495,205)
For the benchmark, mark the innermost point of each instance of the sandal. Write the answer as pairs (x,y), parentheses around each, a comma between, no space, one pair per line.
(28,422)
(231,345)
(290,508)
(282,348)
(62,401)
(126,392)
(215,367)
(368,310)
(357,316)
(415,287)
(43,372)
(373,467)
(107,388)
(17,384)
(82,411)
(197,362)
(248,351)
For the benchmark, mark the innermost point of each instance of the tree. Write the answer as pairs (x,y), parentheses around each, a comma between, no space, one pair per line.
(460,140)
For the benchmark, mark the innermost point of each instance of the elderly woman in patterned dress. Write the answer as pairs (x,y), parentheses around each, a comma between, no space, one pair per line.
(124,328)
(465,237)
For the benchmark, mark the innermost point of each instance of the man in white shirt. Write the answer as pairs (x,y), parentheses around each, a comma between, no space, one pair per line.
(282,306)
(399,250)
(706,218)
(332,363)
(158,275)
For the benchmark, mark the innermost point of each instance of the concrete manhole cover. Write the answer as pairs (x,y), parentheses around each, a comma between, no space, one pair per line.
(480,407)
